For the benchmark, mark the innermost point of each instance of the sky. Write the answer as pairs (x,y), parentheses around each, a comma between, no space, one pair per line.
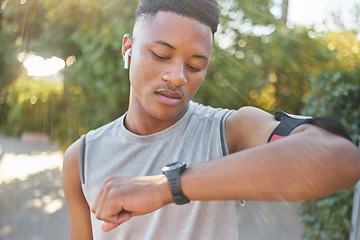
(309,12)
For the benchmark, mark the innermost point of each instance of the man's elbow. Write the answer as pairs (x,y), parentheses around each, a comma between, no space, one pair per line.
(354,159)
(347,159)
(339,157)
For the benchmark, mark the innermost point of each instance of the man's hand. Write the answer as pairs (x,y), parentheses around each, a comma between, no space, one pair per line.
(121,198)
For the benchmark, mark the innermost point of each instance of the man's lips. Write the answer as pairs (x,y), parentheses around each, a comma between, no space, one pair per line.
(170,93)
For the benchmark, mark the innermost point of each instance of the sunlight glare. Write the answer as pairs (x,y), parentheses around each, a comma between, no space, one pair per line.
(38,66)
(30,164)
(3,6)
(6,229)
(53,206)
(33,100)
(70,60)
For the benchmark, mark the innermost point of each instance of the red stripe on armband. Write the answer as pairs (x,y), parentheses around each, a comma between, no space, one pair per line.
(276,137)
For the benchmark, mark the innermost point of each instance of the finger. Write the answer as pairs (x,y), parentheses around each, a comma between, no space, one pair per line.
(121,218)
(107,226)
(110,209)
(102,208)
(100,202)
(97,199)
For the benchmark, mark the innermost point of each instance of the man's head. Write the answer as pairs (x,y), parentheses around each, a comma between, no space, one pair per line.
(169,53)
(204,11)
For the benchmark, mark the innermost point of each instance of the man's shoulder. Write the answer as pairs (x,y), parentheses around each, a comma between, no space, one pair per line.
(106,129)
(208,112)
(249,127)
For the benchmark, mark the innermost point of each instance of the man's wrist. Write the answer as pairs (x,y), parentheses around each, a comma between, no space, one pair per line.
(165,190)
(173,171)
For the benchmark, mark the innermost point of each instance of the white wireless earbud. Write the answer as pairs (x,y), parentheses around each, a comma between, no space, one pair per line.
(127,58)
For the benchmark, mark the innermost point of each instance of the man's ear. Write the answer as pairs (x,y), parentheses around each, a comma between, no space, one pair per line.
(126,44)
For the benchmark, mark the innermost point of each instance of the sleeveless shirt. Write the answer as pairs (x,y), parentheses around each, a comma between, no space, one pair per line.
(198,136)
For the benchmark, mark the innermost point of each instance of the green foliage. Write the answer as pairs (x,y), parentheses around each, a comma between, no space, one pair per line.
(335,94)
(95,85)
(36,101)
(9,66)
(328,218)
(98,70)
(258,61)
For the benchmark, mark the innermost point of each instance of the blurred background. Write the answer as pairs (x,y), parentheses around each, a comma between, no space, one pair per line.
(61,75)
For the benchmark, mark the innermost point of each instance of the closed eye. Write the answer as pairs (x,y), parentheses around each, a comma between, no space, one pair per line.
(159,57)
(193,68)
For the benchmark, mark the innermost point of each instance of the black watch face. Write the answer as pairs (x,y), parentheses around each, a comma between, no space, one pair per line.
(173,166)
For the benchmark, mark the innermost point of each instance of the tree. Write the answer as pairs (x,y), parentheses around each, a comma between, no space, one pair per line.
(89,32)
(284,11)
(335,94)
(258,61)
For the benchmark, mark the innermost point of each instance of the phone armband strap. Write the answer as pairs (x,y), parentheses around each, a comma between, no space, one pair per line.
(289,122)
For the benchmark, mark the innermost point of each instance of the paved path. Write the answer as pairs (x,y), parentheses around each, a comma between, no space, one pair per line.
(270,221)
(32,205)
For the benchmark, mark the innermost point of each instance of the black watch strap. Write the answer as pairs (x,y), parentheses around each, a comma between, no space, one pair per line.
(173,176)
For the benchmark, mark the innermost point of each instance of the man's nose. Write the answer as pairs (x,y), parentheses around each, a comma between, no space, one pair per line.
(175,75)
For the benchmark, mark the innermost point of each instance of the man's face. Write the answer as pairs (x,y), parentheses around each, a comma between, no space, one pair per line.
(169,59)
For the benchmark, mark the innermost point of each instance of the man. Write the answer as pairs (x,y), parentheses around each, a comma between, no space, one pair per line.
(120,176)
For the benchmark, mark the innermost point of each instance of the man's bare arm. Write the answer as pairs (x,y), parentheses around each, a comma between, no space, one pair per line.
(79,212)
(309,163)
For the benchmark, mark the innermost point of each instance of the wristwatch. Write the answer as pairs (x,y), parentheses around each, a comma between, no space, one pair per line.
(172,171)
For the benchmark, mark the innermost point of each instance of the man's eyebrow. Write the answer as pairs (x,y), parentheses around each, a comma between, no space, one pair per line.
(165,43)
(201,56)
(172,47)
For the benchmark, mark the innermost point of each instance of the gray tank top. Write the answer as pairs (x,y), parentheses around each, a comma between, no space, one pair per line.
(199,136)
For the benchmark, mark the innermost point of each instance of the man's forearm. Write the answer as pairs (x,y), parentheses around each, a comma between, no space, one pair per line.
(302,166)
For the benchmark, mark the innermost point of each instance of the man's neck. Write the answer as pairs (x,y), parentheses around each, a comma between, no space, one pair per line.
(141,123)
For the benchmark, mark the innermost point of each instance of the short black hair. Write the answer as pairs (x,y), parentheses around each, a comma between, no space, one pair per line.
(204,11)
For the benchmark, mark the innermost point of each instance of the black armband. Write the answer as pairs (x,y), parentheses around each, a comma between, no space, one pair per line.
(290,122)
